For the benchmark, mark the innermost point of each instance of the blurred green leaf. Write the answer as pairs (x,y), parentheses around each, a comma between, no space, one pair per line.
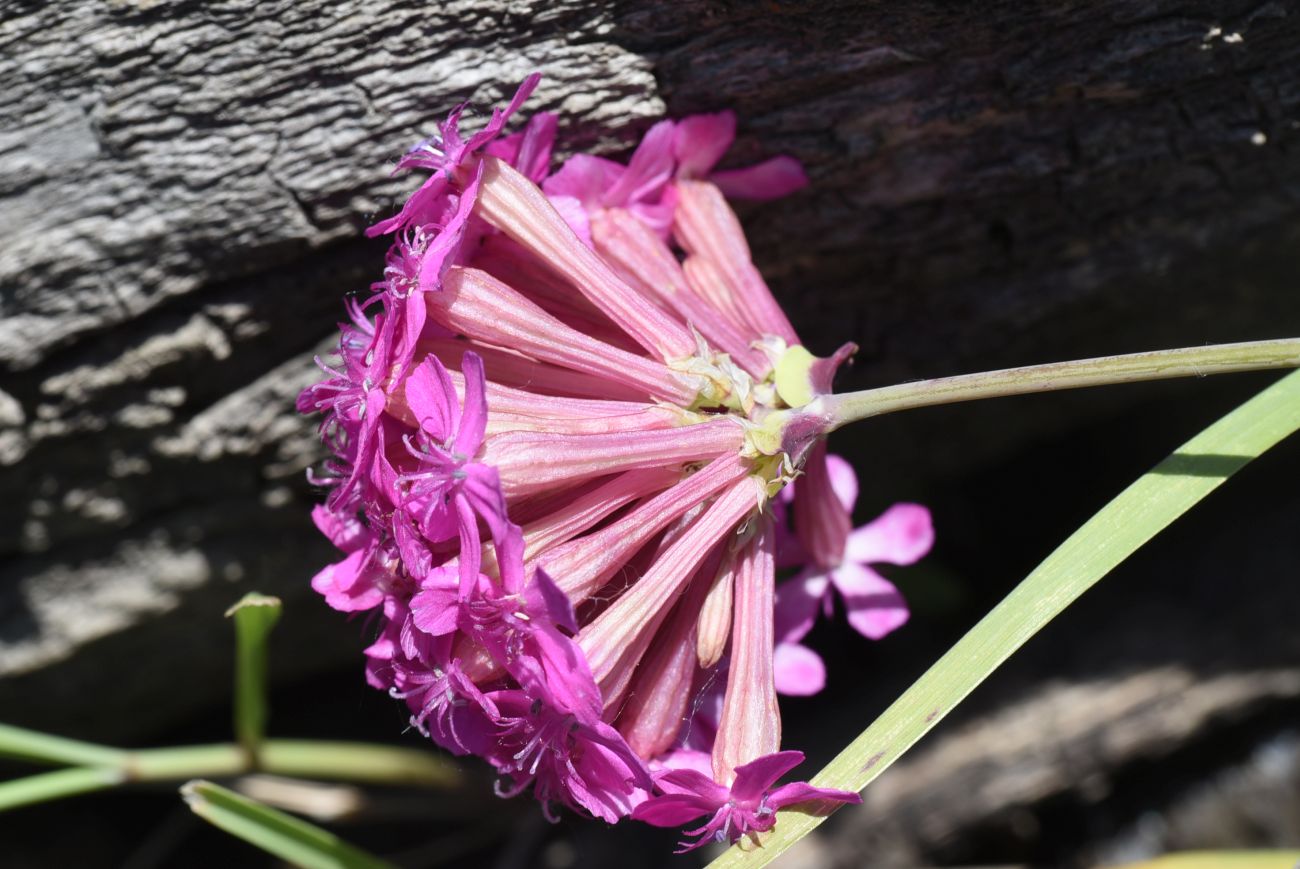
(1135,516)
(23,744)
(255,615)
(289,838)
(56,785)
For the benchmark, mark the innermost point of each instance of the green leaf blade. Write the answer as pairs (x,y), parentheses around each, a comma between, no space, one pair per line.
(1136,515)
(55,786)
(289,838)
(20,743)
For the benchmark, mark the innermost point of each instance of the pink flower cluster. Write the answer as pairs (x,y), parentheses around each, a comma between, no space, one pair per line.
(562,477)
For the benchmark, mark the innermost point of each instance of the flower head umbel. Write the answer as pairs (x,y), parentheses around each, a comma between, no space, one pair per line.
(561,428)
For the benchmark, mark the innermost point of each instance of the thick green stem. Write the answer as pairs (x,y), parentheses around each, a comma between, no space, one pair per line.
(1130,368)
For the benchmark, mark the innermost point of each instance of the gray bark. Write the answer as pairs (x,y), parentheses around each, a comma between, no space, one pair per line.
(183,189)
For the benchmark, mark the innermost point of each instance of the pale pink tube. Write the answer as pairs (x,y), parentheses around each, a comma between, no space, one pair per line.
(706,226)
(616,640)
(530,462)
(581,567)
(516,206)
(647,264)
(750,726)
(476,304)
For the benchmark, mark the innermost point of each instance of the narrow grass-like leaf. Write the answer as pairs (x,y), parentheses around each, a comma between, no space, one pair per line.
(1112,535)
(23,744)
(55,785)
(1221,860)
(254,615)
(289,838)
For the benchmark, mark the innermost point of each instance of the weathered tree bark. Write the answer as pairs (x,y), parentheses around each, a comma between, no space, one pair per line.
(183,189)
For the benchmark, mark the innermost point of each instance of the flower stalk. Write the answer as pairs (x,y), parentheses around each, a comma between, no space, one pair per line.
(1129,368)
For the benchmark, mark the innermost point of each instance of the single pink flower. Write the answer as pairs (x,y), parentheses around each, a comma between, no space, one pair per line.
(902,535)
(748,806)
(699,144)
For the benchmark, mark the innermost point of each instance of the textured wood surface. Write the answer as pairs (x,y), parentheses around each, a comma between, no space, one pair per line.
(183,188)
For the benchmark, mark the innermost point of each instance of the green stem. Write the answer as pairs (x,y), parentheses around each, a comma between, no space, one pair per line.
(56,785)
(23,744)
(1130,368)
(355,761)
(95,767)
(188,761)
(302,758)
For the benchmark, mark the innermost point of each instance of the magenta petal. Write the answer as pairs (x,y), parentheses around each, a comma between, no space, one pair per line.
(568,683)
(445,245)
(500,116)
(649,169)
(771,179)
(508,544)
(844,481)
(682,759)
(431,397)
(900,535)
(693,781)
(534,157)
(418,209)
(474,412)
(435,610)
(349,586)
(671,810)
(875,607)
(529,150)
(411,547)
(584,178)
(338,576)
(482,488)
(802,792)
(413,315)
(799,670)
(797,603)
(554,603)
(471,544)
(344,531)
(753,779)
(700,142)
